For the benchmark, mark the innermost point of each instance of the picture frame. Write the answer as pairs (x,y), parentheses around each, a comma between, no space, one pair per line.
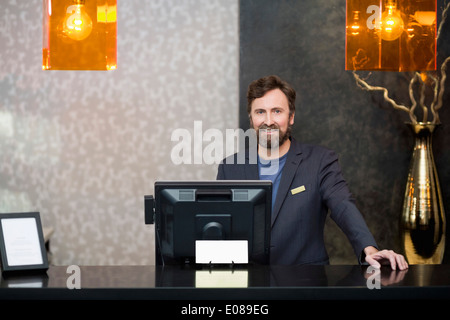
(22,246)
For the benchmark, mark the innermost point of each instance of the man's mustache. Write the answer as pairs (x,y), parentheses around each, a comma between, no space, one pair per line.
(266,127)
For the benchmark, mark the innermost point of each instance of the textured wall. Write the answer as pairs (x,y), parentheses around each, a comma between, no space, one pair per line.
(84,147)
(304,43)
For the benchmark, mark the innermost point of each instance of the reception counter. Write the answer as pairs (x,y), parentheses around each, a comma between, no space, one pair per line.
(233,283)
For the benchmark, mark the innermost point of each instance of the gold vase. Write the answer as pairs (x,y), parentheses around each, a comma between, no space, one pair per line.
(423,219)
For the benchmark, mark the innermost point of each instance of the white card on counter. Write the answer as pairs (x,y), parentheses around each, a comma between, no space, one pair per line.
(221,251)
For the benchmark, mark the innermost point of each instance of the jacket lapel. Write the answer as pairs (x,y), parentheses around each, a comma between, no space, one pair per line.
(293,160)
(250,171)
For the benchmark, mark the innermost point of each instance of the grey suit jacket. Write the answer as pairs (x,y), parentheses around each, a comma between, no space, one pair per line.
(311,186)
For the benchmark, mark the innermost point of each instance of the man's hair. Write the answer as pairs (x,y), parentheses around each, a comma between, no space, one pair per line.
(258,88)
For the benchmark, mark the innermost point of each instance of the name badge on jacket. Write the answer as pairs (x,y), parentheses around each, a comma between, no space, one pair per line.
(298,190)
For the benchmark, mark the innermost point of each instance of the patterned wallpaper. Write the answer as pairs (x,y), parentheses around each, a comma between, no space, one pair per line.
(84,147)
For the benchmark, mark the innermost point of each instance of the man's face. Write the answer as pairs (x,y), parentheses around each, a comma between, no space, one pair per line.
(269,116)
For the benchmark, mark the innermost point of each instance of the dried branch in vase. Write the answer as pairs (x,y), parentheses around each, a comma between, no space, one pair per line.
(423,79)
(438,89)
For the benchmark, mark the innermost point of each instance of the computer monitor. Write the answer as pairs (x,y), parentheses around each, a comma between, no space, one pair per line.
(187,211)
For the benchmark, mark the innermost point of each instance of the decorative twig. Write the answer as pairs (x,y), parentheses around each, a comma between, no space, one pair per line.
(438,105)
(433,104)
(365,86)
(422,98)
(439,87)
(411,96)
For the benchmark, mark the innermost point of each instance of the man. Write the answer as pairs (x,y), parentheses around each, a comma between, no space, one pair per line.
(307,184)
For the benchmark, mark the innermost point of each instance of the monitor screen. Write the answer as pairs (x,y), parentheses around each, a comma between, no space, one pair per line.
(187,211)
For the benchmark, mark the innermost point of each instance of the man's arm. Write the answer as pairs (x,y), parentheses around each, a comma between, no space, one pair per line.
(345,213)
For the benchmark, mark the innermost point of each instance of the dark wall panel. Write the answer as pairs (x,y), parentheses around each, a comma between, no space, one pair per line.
(304,43)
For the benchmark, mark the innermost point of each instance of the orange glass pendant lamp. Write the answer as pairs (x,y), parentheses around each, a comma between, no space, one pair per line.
(391,35)
(79,35)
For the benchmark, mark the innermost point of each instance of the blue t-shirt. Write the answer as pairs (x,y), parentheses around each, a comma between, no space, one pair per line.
(271,170)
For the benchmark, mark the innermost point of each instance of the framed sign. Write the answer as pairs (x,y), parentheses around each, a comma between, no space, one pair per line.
(22,246)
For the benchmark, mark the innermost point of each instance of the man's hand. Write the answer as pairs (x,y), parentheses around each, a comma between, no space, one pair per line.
(376,258)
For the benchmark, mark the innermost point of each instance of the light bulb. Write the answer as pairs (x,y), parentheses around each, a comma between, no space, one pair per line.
(77,24)
(391,23)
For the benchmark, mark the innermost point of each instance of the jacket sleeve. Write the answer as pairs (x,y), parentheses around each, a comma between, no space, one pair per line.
(341,203)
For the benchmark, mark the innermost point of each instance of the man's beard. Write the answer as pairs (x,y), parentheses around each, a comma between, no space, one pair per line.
(270,142)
